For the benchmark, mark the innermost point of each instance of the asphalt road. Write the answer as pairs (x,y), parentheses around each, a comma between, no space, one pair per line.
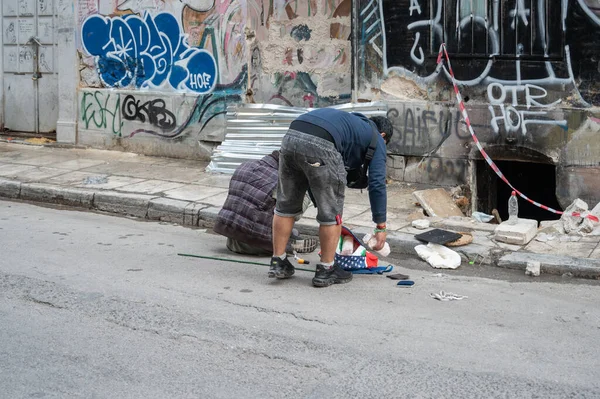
(95,306)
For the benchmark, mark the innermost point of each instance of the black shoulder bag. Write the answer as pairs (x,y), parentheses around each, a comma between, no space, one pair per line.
(357,177)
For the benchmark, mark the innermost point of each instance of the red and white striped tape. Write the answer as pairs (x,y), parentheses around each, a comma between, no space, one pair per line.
(463,110)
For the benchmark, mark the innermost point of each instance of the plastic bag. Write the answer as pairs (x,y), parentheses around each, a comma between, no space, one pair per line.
(370,241)
(438,256)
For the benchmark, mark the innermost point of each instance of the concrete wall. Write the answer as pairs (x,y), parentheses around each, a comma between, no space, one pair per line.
(156,77)
(527,69)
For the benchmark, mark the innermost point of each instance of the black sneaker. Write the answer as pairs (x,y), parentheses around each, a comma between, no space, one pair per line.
(281,268)
(335,275)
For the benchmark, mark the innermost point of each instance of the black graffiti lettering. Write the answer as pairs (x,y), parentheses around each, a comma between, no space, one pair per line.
(428,116)
(154,112)
(409,119)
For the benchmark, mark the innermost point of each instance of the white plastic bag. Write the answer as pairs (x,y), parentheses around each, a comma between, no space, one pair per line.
(370,241)
(438,256)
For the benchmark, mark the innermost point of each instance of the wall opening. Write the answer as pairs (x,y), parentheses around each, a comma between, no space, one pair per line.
(535,180)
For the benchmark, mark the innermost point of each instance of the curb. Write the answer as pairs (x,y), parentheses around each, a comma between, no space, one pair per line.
(197,214)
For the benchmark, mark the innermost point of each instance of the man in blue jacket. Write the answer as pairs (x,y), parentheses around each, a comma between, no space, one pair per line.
(316,152)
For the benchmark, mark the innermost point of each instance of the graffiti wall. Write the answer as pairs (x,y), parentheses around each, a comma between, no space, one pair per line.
(527,71)
(156,76)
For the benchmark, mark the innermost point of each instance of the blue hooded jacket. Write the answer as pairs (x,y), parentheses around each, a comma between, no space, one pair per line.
(352,133)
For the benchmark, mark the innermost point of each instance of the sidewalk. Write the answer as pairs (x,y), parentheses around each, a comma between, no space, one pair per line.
(180,191)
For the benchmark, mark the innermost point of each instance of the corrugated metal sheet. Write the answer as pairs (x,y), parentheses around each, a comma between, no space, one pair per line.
(255,130)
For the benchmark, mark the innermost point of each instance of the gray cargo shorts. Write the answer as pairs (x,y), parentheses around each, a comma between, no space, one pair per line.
(307,161)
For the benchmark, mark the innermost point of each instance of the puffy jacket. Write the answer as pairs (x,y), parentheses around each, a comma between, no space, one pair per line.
(247,214)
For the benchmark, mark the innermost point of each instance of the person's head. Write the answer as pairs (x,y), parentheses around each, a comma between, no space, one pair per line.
(384,126)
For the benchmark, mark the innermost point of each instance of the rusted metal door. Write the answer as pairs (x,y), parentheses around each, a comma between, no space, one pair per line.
(28,55)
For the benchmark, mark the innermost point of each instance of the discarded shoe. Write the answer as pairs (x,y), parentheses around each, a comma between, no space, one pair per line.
(304,245)
(281,268)
(326,277)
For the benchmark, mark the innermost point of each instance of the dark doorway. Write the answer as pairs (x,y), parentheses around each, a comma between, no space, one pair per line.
(536,180)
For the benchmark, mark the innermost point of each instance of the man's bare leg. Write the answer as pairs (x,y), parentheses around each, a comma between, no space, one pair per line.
(280,266)
(330,238)
(282,230)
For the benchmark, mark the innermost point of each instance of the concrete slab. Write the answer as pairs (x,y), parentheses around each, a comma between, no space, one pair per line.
(194,192)
(519,234)
(437,202)
(191,213)
(70,178)
(553,264)
(10,188)
(510,247)
(123,203)
(112,182)
(151,186)
(221,181)
(41,159)
(49,193)
(40,174)
(579,249)
(13,170)
(177,174)
(167,210)
(76,164)
(595,253)
(216,200)
(461,223)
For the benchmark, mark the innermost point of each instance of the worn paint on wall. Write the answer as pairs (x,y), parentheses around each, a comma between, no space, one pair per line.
(301,53)
(527,70)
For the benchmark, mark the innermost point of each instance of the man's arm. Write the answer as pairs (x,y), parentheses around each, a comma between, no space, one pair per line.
(378,193)
(377,188)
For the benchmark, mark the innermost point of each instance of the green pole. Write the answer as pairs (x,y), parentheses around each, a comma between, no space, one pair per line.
(236,261)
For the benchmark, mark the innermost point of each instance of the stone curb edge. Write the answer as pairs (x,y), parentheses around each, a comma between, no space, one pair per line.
(197,214)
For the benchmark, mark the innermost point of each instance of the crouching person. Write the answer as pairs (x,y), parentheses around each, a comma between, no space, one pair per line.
(246,218)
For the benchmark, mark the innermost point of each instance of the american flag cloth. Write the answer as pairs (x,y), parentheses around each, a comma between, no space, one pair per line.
(360,259)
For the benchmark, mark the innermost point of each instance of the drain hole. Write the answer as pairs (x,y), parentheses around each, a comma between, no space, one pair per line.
(536,180)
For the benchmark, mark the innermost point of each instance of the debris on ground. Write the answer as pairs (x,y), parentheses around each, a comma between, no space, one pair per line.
(438,256)
(406,283)
(518,234)
(95,180)
(461,195)
(482,217)
(39,140)
(418,214)
(421,224)
(575,224)
(545,237)
(533,268)
(447,296)
(398,276)
(497,217)
(438,236)
(466,238)
(437,202)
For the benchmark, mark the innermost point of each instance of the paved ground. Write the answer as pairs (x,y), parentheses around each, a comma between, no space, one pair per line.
(100,306)
(180,191)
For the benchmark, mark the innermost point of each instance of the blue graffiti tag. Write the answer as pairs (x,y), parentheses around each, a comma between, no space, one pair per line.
(147,53)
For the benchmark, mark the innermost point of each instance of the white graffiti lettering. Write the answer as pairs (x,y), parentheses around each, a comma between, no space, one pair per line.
(415,6)
(513,118)
(519,12)
(199,81)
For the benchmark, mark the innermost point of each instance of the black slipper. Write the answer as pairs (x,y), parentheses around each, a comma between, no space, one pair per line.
(398,276)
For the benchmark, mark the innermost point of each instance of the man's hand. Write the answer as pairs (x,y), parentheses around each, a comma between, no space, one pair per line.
(380,237)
